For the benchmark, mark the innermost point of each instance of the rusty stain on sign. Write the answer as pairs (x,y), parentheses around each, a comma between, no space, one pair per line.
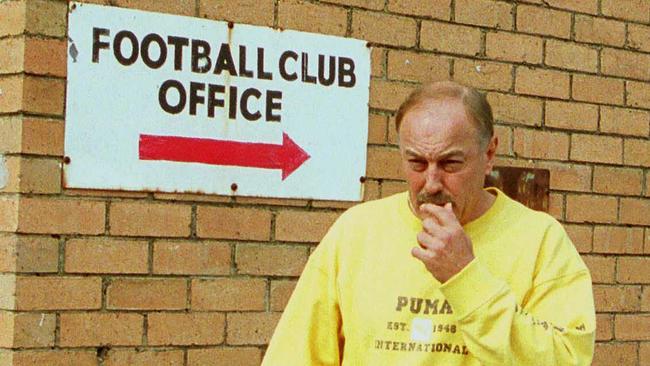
(528,186)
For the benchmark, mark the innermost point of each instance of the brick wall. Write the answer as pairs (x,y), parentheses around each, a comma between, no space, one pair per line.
(123,278)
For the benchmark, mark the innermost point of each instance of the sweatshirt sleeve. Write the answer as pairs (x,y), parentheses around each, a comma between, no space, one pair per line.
(309,331)
(554,326)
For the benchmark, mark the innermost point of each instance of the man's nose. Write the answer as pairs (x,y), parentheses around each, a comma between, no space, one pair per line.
(433,183)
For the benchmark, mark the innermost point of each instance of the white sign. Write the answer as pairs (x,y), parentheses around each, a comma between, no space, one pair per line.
(178,104)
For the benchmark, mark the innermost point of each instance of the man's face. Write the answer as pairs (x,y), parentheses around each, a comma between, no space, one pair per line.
(443,159)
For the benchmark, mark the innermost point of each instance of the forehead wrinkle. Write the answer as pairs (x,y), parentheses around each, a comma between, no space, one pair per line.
(444,154)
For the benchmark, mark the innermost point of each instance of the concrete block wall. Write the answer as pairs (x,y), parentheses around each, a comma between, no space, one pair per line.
(138,278)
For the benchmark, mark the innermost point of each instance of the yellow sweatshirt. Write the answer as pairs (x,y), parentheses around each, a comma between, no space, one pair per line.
(362,299)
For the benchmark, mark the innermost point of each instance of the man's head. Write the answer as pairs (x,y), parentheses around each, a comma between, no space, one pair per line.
(447,146)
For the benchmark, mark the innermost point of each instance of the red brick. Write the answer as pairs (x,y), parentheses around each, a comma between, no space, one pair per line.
(281,292)
(632,327)
(624,121)
(233,223)
(638,94)
(556,205)
(644,353)
(504,134)
(45,56)
(597,89)
(440,9)
(377,126)
(43,95)
(383,28)
(147,294)
(55,358)
(636,10)
(625,64)
(534,144)
(583,6)
(516,109)
(42,136)
(12,59)
(388,95)
(384,163)
(303,226)
(13,15)
(390,188)
(603,269)
(270,259)
(38,175)
(599,31)
(186,329)
(308,17)
(487,13)
(99,329)
(247,11)
(10,134)
(567,55)
(58,293)
(608,354)
(378,62)
(544,83)
(581,236)
(228,294)
(633,270)
(571,116)
(191,258)
(617,239)
(591,208)
(241,356)
(639,37)
(569,177)
(177,7)
(33,330)
(121,357)
(132,218)
(450,38)
(483,74)
(12,93)
(604,327)
(29,254)
(46,18)
(106,255)
(637,152)
(370,190)
(623,181)
(602,149)
(617,298)
(366,4)
(251,328)
(406,65)
(534,19)
(645,299)
(498,46)
(63,216)
(635,211)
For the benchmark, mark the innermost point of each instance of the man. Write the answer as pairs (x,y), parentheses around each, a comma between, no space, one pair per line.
(447,273)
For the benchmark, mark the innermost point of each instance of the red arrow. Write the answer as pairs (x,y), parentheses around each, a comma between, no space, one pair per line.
(288,156)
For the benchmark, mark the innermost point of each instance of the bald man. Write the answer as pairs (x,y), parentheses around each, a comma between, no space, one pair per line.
(447,273)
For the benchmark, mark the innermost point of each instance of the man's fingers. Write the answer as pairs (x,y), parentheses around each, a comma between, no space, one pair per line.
(429,242)
(444,215)
(432,227)
(422,254)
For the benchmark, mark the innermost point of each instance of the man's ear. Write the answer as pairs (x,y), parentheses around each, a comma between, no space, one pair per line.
(490,153)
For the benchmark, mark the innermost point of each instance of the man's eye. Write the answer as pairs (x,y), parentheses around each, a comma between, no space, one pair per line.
(417,165)
(452,165)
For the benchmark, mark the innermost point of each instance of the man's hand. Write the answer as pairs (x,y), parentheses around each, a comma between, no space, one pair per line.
(444,249)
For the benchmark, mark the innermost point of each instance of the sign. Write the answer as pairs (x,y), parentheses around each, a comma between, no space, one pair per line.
(169,103)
